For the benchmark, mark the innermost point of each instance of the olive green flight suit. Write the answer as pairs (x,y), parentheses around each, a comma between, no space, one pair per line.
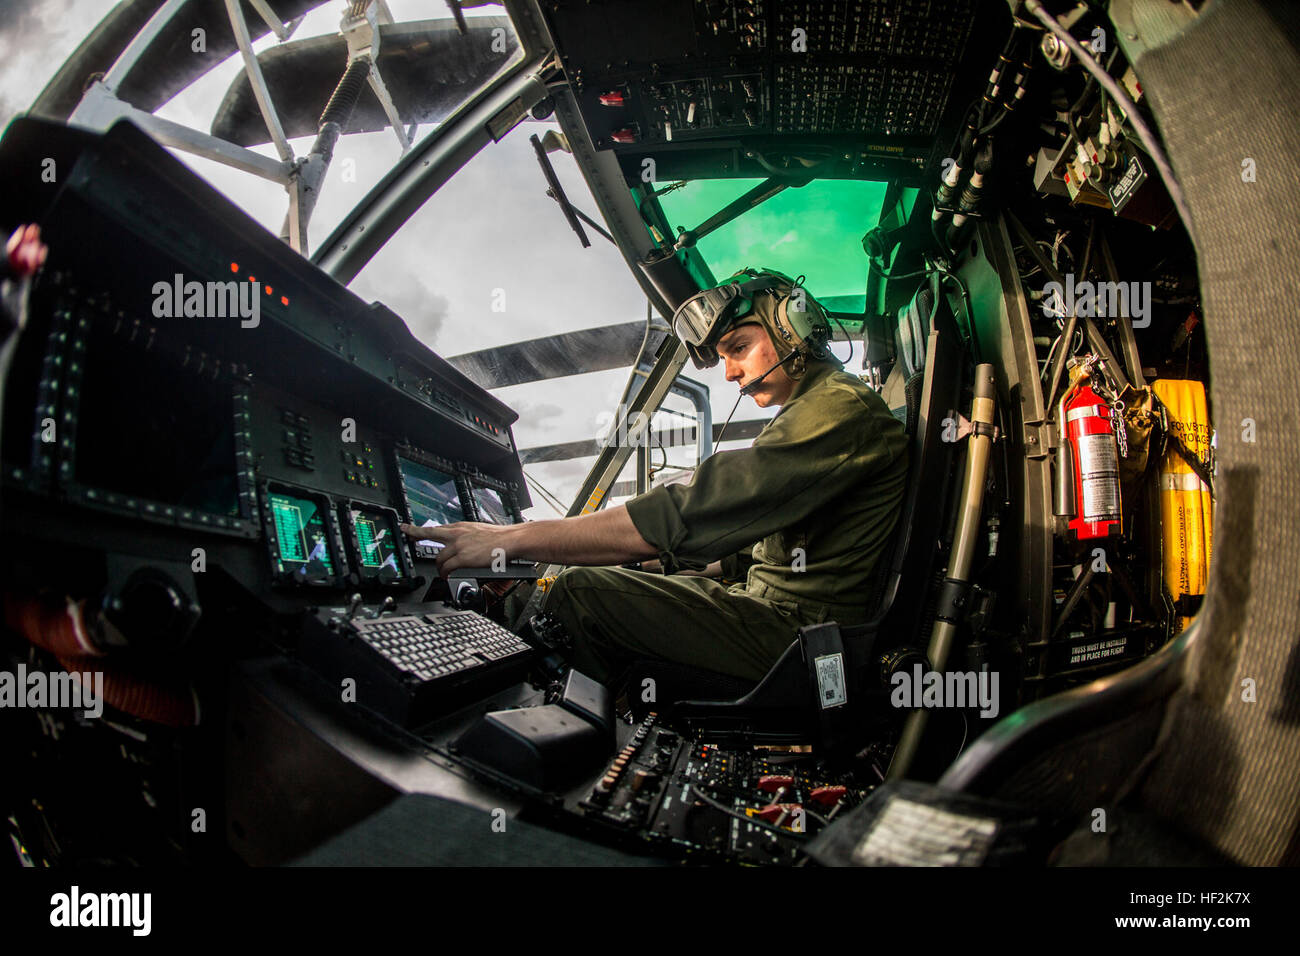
(819,490)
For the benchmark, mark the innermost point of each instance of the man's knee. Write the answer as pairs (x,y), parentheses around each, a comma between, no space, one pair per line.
(560,595)
(587,592)
(578,602)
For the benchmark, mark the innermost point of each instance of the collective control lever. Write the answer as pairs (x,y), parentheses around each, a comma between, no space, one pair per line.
(466,595)
(354,605)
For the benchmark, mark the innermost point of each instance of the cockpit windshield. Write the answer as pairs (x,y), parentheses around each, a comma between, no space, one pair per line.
(814,230)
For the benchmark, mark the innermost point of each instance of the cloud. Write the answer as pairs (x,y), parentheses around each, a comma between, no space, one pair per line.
(790,236)
(424,310)
(35,39)
(538,413)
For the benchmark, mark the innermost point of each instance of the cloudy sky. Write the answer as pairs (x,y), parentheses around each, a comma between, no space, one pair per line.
(489,236)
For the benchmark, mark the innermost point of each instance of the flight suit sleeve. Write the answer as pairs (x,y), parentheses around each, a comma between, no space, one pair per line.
(807,455)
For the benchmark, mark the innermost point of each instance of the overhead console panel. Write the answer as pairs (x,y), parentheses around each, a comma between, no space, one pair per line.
(717,88)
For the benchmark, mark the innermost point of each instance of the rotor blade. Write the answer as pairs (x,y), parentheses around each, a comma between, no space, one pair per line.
(428,67)
(565,451)
(569,353)
(169,65)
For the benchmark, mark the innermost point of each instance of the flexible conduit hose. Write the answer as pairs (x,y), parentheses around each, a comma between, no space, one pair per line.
(62,631)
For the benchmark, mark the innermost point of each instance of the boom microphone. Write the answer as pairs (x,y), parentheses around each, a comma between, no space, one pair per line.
(749,389)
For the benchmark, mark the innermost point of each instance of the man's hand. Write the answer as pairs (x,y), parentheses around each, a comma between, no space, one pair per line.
(604,537)
(466,544)
(25,251)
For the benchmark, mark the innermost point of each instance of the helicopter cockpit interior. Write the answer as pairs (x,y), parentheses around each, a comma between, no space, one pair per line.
(213,433)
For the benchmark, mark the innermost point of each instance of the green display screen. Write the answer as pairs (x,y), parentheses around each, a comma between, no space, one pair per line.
(377,545)
(301,533)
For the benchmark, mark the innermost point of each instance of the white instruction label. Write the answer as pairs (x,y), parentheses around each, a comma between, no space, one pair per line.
(830,680)
(1100,471)
(913,834)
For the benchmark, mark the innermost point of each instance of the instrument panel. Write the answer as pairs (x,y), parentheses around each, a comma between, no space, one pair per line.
(149,402)
(709,88)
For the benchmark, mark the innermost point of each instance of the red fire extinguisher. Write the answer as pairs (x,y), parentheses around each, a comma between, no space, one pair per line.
(1096,464)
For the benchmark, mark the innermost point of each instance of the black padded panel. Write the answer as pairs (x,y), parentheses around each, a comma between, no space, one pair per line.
(674,682)
(1077,750)
(911,332)
(1225,91)
(928,487)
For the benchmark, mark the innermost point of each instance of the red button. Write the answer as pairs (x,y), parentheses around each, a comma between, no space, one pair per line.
(828,796)
(771,813)
(774,782)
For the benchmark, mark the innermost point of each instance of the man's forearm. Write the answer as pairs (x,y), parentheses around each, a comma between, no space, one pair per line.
(605,537)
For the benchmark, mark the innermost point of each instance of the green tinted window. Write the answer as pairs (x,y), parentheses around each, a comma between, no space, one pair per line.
(814,231)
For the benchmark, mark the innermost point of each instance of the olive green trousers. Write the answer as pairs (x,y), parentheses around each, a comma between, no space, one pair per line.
(616,616)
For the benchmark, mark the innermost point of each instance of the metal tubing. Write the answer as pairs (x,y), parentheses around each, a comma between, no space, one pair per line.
(424,169)
(1098,343)
(380,89)
(1066,506)
(1058,364)
(1077,590)
(278,27)
(614,456)
(257,81)
(143,40)
(1123,324)
(102,109)
(963,551)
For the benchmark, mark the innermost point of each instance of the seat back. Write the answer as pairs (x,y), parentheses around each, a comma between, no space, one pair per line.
(932,399)
(912,331)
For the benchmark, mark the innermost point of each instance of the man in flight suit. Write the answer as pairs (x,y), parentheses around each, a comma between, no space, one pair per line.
(812,502)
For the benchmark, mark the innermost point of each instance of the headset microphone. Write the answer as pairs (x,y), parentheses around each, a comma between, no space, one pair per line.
(749,389)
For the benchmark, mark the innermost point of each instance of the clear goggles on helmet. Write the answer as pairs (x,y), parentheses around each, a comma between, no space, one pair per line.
(701,319)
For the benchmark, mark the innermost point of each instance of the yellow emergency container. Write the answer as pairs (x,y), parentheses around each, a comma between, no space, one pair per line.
(1186,509)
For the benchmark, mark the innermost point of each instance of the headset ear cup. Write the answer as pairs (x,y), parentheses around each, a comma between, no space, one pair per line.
(812,326)
(785,323)
(807,322)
